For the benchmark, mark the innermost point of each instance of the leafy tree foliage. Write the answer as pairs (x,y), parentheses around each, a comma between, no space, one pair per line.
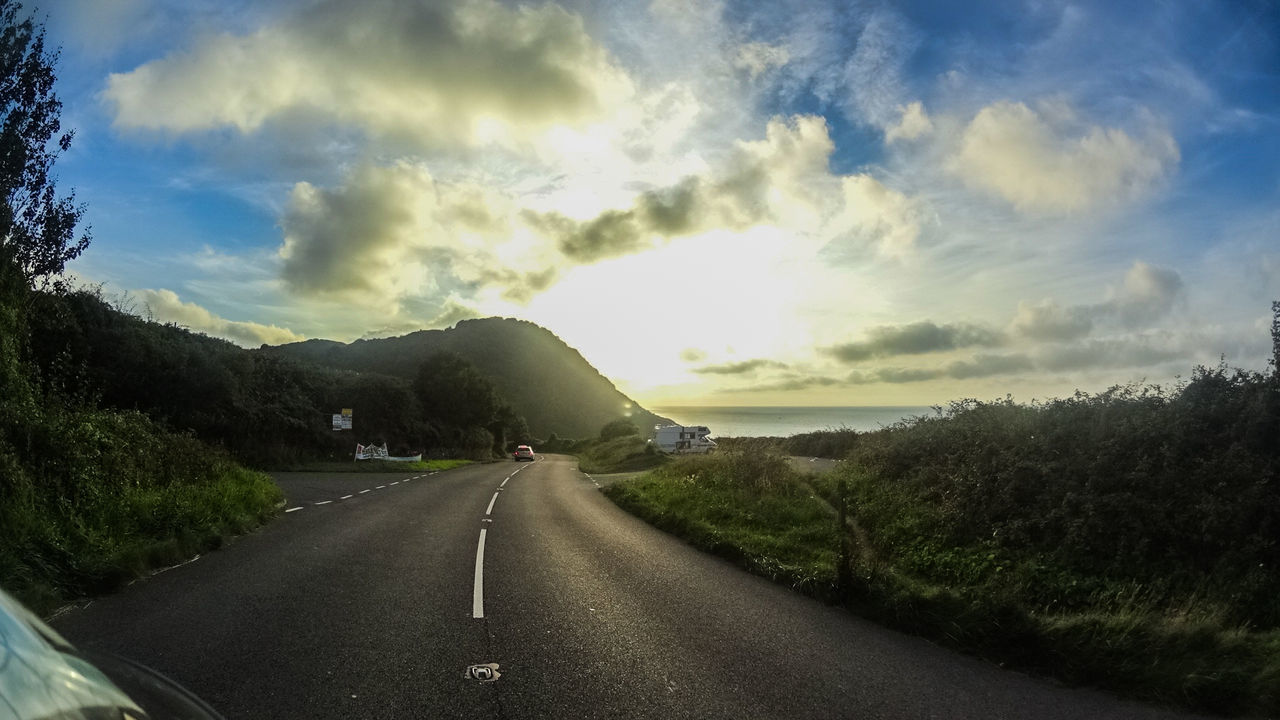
(1275,338)
(455,392)
(1174,492)
(37,228)
(618,428)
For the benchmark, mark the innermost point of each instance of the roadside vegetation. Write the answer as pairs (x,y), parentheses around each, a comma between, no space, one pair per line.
(619,447)
(89,497)
(831,444)
(1128,539)
(267,411)
(751,508)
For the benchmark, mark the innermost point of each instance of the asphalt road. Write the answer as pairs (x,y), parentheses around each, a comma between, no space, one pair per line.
(363,603)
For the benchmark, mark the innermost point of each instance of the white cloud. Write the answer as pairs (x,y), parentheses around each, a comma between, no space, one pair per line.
(886,218)
(781,178)
(1045,162)
(393,232)
(873,74)
(758,58)
(1148,293)
(470,72)
(1049,321)
(914,123)
(165,306)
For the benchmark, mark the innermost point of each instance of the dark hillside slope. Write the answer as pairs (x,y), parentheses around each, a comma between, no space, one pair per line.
(545,380)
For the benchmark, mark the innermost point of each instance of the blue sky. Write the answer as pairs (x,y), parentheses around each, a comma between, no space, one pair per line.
(732,203)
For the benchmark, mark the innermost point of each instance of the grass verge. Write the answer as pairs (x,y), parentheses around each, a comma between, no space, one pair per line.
(100,498)
(624,454)
(753,509)
(772,526)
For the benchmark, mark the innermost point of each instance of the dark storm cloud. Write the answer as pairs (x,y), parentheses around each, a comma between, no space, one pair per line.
(739,368)
(915,339)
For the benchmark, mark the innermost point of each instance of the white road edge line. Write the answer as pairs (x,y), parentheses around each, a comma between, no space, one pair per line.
(293,508)
(491,502)
(345,497)
(477,598)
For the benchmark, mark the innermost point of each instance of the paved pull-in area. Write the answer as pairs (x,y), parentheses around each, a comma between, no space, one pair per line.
(519,591)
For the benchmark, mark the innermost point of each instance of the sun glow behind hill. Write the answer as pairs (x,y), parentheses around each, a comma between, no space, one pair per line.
(737,296)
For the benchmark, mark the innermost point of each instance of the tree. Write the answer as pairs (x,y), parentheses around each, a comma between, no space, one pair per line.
(1275,338)
(618,428)
(452,391)
(37,228)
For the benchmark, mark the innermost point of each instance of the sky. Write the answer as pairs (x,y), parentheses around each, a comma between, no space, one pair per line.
(720,203)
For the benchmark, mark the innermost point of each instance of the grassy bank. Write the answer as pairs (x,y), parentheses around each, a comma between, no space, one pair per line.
(1126,540)
(751,510)
(92,499)
(621,454)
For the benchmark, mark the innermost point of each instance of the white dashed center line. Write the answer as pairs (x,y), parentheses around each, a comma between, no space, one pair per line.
(379,487)
(345,497)
(491,502)
(293,509)
(323,502)
(477,597)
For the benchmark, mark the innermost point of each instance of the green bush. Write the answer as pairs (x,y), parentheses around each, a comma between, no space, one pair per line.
(750,508)
(1176,492)
(1127,539)
(92,498)
(618,428)
(627,453)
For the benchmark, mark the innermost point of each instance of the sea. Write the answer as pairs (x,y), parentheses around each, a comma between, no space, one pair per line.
(785,421)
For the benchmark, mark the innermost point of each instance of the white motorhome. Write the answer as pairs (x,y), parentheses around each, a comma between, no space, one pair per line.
(682,439)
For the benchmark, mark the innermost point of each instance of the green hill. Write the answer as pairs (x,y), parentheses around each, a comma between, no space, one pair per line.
(545,380)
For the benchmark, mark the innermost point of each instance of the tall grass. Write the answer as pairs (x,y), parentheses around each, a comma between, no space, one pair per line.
(90,499)
(621,454)
(1128,539)
(753,509)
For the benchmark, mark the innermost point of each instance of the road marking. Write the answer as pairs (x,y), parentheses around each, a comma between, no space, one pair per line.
(293,508)
(491,502)
(477,597)
(379,487)
(363,492)
(485,673)
(504,482)
(344,497)
(396,482)
(323,502)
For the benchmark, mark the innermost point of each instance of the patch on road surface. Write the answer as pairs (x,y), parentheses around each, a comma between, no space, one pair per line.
(486,673)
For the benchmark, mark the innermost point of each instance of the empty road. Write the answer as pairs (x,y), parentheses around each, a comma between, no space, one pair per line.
(372,596)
